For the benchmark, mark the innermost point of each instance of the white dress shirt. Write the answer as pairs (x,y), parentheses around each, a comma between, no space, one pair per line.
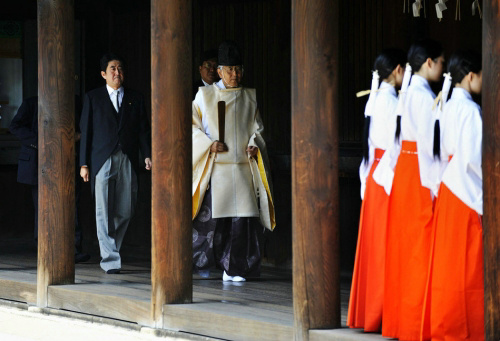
(111,94)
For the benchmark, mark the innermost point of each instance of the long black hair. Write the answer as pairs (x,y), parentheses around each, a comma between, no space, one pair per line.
(417,55)
(422,50)
(461,63)
(436,148)
(388,60)
(385,63)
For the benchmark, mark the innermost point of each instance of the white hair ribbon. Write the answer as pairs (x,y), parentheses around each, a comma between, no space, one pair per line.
(442,97)
(373,88)
(475,5)
(373,94)
(404,89)
(440,7)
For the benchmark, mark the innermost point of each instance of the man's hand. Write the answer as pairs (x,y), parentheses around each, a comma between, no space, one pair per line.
(148,163)
(84,173)
(218,147)
(252,151)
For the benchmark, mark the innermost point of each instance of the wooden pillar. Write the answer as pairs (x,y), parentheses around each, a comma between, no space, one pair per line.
(56,146)
(491,167)
(171,89)
(316,274)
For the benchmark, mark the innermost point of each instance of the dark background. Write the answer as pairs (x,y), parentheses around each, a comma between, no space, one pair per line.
(262,29)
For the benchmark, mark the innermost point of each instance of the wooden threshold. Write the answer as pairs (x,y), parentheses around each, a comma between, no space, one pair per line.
(260,309)
(18,282)
(229,320)
(255,310)
(127,303)
(344,334)
(17,290)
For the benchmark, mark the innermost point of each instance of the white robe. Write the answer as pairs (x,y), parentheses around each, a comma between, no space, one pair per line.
(240,185)
(417,125)
(382,128)
(461,136)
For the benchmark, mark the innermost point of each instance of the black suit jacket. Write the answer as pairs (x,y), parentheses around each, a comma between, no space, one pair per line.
(103,130)
(25,127)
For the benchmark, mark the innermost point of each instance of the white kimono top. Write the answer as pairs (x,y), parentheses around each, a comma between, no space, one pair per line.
(382,128)
(417,124)
(461,136)
(240,185)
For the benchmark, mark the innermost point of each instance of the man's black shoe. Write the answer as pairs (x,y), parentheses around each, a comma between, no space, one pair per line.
(81,257)
(113,271)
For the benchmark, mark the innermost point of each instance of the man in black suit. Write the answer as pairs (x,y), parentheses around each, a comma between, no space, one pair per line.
(25,127)
(208,70)
(114,126)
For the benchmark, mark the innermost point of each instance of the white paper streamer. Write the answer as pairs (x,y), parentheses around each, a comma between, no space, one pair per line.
(417,6)
(475,5)
(440,7)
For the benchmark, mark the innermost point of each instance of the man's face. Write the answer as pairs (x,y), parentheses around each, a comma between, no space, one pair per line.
(114,74)
(231,75)
(208,70)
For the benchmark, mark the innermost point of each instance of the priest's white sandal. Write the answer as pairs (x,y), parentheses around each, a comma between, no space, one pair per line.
(227,278)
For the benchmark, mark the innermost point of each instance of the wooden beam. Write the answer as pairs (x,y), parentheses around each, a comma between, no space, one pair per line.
(491,160)
(171,89)
(316,279)
(56,146)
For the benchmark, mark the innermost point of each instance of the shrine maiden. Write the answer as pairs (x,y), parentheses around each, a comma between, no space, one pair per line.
(365,304)
(455,297)
(411,200)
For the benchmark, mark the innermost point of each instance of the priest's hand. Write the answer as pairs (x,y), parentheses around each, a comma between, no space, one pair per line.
(252,151)
(218,147)
(148,163)
(84,173)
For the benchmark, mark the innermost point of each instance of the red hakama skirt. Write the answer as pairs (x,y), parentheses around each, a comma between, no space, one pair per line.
(455,289)
(408,247)
(367,289)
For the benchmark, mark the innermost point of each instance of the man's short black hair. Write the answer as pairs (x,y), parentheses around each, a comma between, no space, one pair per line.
(106,58)
(207,55)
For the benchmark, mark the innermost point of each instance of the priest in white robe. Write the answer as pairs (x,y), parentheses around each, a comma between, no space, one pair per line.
(232,189)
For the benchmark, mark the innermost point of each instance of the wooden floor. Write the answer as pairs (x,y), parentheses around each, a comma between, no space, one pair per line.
(259,309)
